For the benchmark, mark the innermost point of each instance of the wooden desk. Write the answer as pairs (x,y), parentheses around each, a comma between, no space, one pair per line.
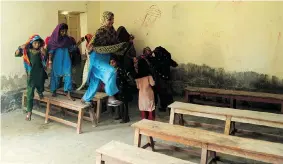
(120,153)
(61,101)
(210,141)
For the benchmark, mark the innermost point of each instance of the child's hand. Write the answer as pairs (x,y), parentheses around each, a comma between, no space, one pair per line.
(42,51)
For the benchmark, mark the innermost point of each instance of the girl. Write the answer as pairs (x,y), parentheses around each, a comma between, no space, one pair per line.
(34,56)
(59,46)
(145,83)
(100,47)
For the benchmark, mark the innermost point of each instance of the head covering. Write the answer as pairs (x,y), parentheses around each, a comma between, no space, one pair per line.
(143,69)
(88,38)
(58,41)
(106,16)
(122,34)
(47,40)
(28,44)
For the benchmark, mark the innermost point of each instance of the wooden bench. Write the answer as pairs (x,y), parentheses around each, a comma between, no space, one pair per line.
(226,114)
(61,101)
(120,153)
(210,141)
(234,95)
(98,98)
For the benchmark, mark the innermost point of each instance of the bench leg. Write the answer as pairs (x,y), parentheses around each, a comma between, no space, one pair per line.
(137,139)
(232,103)
(92,117)
(204,154)
(181,120)
(227,125)
(47,112)
(98,109)
(172,116)
(151,142)
(98,158)
(80,118)
(233,128)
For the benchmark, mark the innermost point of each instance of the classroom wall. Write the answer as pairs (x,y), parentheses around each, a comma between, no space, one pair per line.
(224,44)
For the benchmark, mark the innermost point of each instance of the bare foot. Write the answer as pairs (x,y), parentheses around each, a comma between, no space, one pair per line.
(28,117)
(70,97)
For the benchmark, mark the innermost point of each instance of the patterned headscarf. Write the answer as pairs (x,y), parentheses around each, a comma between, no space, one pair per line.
(105,39)
(28,44)
(106,16)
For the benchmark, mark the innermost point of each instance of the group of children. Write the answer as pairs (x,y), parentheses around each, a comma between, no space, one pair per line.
(105,65)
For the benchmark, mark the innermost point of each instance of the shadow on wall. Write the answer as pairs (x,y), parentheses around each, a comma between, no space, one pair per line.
(205,76)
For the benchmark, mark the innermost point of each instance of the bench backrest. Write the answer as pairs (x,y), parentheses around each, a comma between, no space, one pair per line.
(135,155)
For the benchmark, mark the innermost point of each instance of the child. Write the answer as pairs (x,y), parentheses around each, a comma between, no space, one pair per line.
(124,94)
(145,83)
(34,56)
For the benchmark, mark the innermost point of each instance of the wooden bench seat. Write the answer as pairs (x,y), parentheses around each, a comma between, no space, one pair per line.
(61,101)
(210,141)
(226,114)
(120,153)
(98,98)
(234,95)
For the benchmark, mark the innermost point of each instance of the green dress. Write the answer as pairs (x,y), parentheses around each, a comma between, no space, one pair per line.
(37,74)
(35,77)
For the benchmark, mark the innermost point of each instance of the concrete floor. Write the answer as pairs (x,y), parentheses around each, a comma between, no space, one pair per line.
(34,142)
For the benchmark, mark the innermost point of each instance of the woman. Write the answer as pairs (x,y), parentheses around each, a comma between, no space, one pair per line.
(59,46)
(100,48)
(34,56)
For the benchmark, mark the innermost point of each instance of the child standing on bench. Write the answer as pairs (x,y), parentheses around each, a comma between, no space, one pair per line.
(35,60)
(124,93)
(145,83)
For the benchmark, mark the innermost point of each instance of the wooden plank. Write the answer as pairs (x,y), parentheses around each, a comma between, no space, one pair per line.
(236,92)
(133,155)
(204,154)
(69,123)
(227,125)
(200,114)
(137,139)
(79,124)
(182,134)
(98,158)
(38,113)
(172,116)
(210,110)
